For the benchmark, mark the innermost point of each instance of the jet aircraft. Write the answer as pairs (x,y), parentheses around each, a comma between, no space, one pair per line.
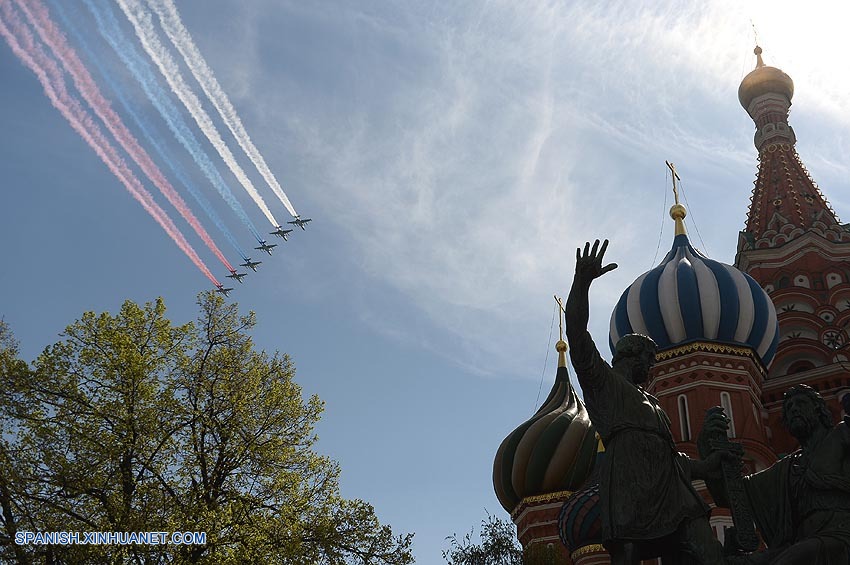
(299,222)
(238,276)
(225,291)
(251,264)
(267,247)
(281,233)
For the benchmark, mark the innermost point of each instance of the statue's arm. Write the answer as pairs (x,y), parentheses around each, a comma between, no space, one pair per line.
(577,315)
(583,352)
(707,469)
(591,368)
(716,423)
(577,312)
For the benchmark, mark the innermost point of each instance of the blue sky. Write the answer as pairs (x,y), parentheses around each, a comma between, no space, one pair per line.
(452,156)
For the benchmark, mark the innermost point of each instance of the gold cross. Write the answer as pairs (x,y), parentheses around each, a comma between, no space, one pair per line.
(675,178)
(560,317)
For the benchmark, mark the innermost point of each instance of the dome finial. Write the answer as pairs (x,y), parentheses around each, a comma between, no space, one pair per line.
(561,345)
(759,60)
(677,211)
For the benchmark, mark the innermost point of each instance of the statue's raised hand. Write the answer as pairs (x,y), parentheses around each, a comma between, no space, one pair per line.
(589,262)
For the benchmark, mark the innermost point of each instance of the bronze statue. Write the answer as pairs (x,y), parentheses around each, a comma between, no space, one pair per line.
(801,504)
(648,506)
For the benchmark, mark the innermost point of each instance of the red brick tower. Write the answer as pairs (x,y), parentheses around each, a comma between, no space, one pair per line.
(799,252)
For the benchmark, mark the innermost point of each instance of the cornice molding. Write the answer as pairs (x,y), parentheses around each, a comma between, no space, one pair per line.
(592,548)
(713,348)
(787,253)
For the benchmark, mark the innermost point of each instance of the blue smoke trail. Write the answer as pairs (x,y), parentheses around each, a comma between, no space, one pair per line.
(149,131)
(109,28)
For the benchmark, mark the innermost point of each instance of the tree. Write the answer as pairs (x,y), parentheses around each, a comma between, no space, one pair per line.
(133,424)
(12,515)
(497,545)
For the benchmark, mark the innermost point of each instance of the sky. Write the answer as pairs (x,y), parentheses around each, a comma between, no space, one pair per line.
(452,156)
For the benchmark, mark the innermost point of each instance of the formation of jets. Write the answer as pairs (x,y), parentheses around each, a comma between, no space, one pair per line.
(267,247)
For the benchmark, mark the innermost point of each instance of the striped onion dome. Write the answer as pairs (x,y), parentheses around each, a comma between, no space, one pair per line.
(580,523)
(689,297)
(550,453)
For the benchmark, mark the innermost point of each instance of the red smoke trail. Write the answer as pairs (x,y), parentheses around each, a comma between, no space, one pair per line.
(37,14)
(54,87)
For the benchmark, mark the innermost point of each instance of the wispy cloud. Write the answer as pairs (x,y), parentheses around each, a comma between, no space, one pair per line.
(482,142)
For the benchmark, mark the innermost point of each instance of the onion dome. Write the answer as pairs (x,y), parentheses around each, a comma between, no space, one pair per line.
(550,453)
(580,522)
(764,80)
(691,298)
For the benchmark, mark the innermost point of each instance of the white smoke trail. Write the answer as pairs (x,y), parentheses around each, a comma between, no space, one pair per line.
(23,44)
(144,28)
(180,37)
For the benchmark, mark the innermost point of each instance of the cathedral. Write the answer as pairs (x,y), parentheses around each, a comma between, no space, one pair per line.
(732,336)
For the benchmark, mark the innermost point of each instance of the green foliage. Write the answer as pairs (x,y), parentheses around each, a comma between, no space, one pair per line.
(131,423)
(541,554)
(497,545)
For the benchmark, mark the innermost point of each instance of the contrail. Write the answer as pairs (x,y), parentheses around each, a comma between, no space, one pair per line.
(38,16)
(180,37)
(51,80)
(171,71)
(109,28)
(147,129)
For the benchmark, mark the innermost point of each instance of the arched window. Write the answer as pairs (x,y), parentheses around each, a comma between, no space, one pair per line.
(800,366)
(726,403)
(684,418)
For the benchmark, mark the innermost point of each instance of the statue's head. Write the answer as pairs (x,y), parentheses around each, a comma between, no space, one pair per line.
(804,410)
(638,353)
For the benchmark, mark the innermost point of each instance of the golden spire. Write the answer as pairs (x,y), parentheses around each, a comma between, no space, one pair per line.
(677,211)
(561,345)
